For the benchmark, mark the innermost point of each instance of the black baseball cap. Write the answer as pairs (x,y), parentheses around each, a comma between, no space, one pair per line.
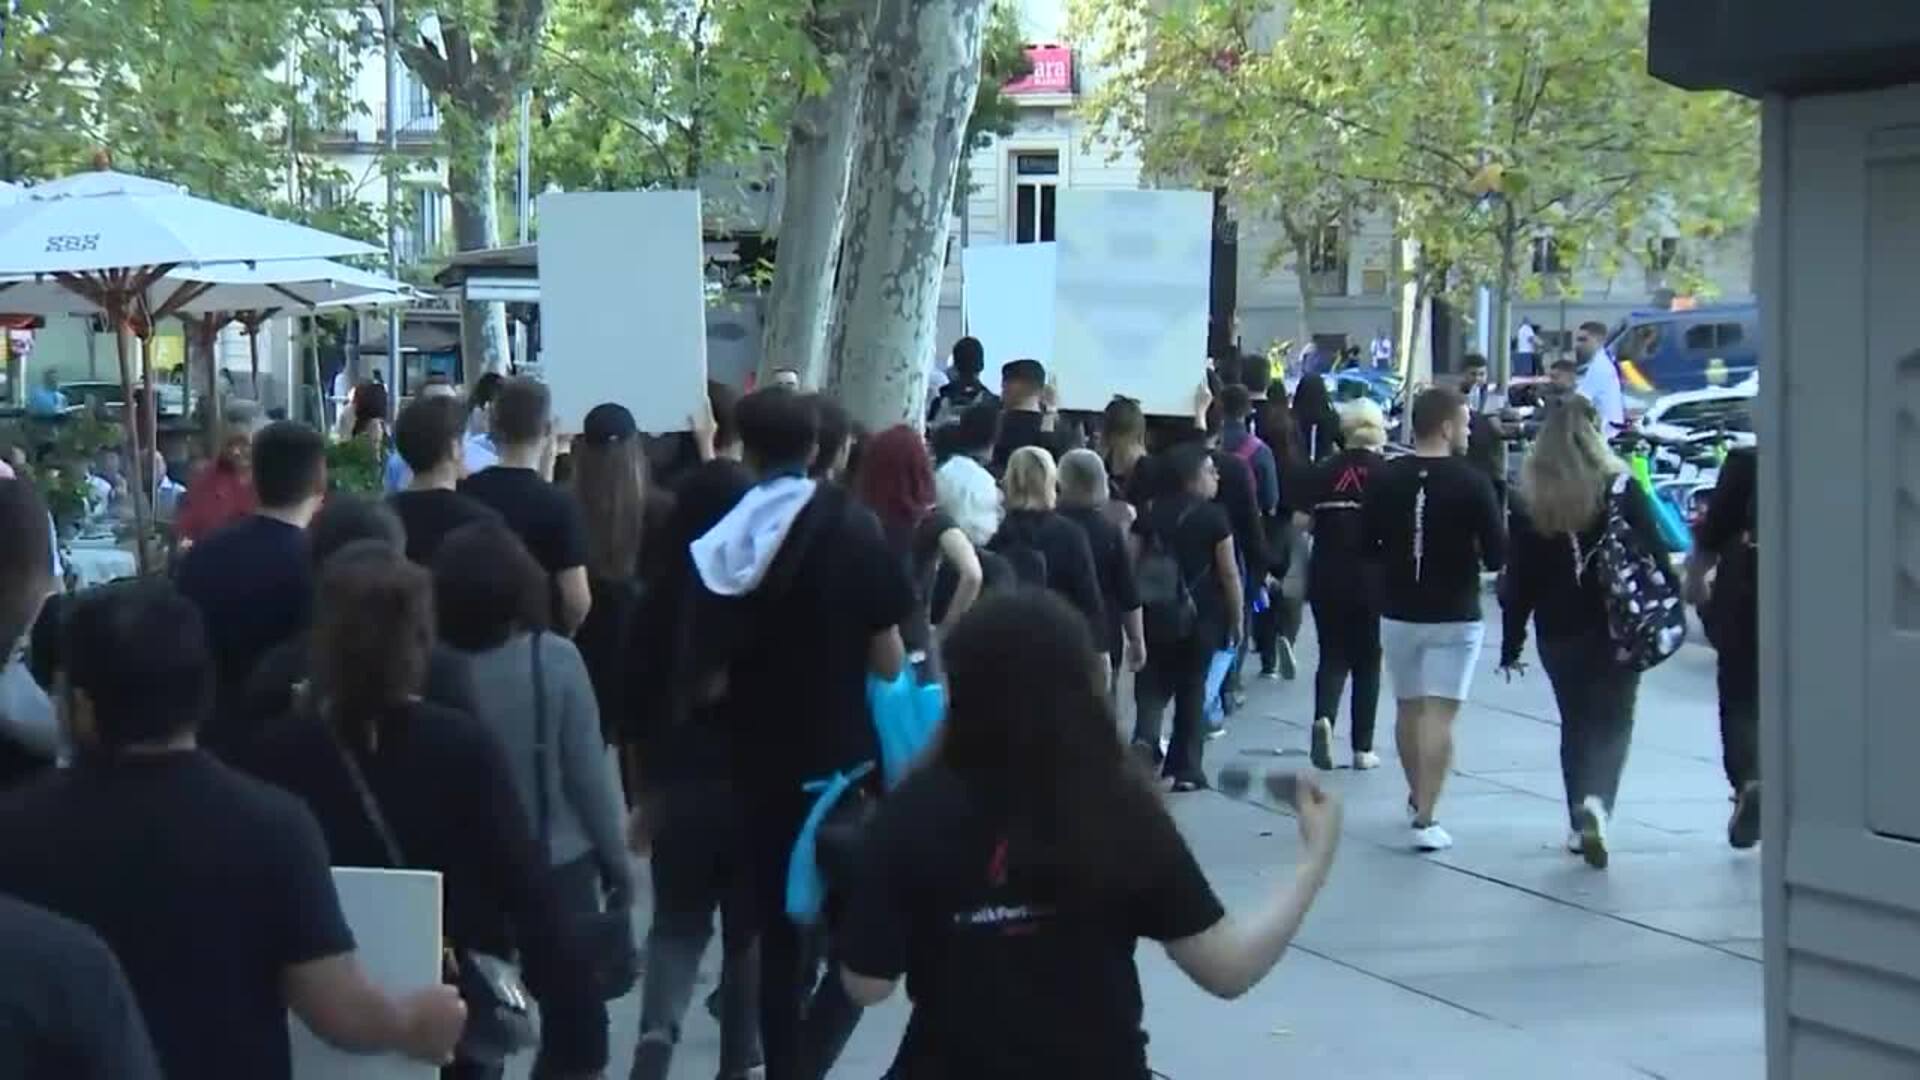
(608,423)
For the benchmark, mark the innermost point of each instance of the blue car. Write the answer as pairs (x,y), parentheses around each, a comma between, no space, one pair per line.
(1665,352)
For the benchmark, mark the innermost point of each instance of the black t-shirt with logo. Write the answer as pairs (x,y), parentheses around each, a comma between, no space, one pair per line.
(1335,491)
(1431,524)
(1006,980)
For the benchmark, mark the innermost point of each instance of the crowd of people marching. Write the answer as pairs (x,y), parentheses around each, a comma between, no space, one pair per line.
(531,662)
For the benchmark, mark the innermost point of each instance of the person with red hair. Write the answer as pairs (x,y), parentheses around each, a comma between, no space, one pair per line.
(895,481)
(220,493)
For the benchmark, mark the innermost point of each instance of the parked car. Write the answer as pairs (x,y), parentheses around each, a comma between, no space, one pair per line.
(1673,417)
(1664,352)
(171,398)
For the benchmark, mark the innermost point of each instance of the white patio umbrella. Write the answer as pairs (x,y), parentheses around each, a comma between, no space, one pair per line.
(109,236)
(9,193)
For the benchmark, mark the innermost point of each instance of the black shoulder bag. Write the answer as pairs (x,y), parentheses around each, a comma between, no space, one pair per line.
(499,1009)
(604,938)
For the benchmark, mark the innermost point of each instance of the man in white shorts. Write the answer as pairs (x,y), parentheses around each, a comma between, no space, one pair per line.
(1432,523)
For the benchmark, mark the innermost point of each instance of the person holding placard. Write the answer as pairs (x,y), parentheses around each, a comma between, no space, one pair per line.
(213,889)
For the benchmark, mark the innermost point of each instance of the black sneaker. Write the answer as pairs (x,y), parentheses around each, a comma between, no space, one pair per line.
(1743,829)
(1322,751)
(1188,785)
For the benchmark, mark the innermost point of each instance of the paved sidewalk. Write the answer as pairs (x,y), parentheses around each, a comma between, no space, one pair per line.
(1503,959)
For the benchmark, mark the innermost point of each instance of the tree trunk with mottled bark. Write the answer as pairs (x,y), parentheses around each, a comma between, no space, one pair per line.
(473,183)
(820,152)
(925,75)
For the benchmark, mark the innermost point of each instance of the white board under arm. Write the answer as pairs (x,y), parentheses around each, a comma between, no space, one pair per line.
(395,919)
(623,310)
(1009,302)
(1131,298)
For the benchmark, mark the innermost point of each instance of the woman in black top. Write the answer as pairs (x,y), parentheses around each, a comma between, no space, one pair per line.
(441,783)
(1185,523)
(610,483)
(1084,500)
(1314,418)
(1725,549)
(1043,547)
(1010,879)
(896,482)
(1342,590)
(1567,493)
(1275,628)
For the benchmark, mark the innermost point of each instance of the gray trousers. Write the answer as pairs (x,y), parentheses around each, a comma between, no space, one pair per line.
(1596,697)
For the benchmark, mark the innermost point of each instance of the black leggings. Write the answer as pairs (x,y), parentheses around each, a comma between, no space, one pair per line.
(1349,645)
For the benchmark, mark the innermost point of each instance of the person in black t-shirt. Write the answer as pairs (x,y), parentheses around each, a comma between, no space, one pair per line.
(1342,589)
(1010,879)
(545,516)
(1044,548)
(1556,577)
(610,484)
(252,580)
(964,389)
(1027,417)
(895,481)
(801,599)
(1184,521)
(430,437)
(211,888)
(1432,523)
(1730,607)
(1084,500)
(346,520)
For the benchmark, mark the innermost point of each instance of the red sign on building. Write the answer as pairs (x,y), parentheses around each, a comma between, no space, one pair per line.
(1052,71)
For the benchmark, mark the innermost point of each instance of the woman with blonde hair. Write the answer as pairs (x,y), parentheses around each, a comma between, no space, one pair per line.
(1571,487)
(1346,609)
(1044,548)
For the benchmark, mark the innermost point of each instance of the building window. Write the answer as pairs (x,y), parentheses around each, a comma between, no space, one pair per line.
(1326,262)
(1661,251)
(1036,187)
(427,209)
(1547,256)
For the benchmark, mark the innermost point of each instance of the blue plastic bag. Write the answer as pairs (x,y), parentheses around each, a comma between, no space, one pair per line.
(1217,669)
(806,891)
(906,716)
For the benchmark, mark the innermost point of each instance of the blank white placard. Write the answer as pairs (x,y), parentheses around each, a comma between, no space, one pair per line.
(395,919)
(623,310)
(1009,301)
(1131,298)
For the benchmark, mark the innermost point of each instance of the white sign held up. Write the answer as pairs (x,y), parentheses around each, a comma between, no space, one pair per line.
(623,311)
(1131,298)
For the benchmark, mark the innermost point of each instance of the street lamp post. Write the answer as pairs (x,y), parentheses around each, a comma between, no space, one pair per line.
(393,202)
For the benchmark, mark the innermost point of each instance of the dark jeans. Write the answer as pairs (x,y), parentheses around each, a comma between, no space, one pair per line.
(1175,672)
(806,1017)
(1739,682)
(699,867)
(1349,636)
(1596,697)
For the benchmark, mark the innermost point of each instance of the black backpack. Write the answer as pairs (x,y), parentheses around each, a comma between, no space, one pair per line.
(1029,563)
(1166,598)
(1646,617)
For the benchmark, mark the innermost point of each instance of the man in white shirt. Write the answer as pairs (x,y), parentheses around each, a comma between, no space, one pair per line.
(1599,378)
(1382,350)
(1526,349)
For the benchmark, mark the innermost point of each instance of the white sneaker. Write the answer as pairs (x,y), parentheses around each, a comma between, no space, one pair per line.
(1321,752)
(1430,839)
(1575,845)
(1365,760)
(1593,832)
